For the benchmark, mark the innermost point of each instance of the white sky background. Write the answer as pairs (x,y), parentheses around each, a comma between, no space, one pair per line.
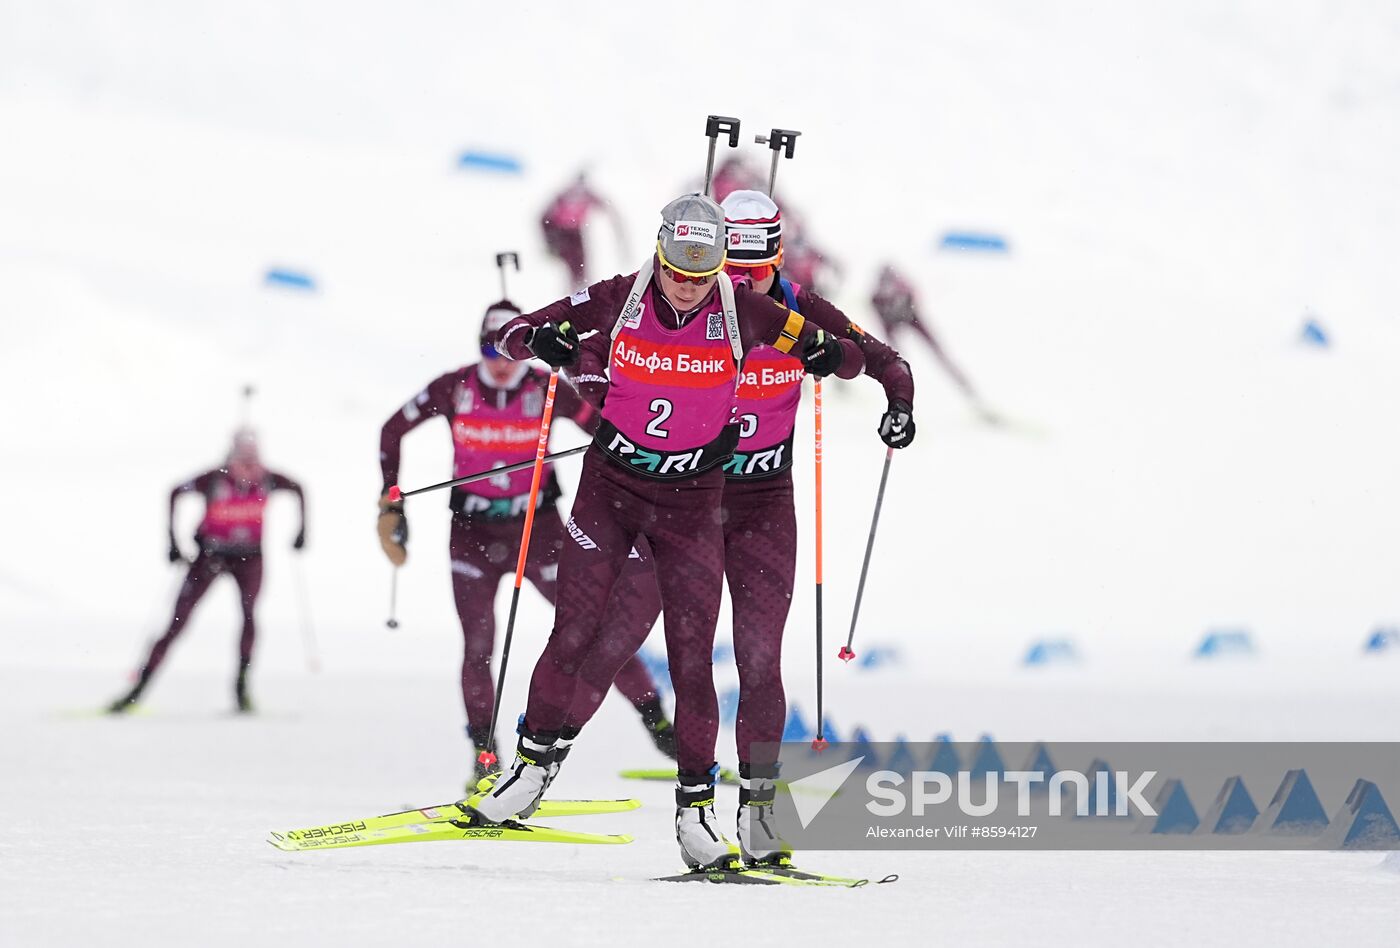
(1178,186)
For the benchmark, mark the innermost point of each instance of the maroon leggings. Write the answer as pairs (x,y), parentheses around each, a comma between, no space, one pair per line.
(760,552)
(680,519)
(246,570)
(485,551)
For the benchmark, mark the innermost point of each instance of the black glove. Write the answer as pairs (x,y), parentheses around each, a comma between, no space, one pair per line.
(556,345)
(897,425)
(175,554)
(300,541)
(823,354)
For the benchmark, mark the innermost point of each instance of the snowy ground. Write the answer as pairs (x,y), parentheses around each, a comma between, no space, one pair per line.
(149,830)
(1179,185)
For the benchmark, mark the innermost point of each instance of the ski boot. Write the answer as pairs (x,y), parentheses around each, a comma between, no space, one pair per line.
(517,791)
(244,704)
(125,703)
(702,844)
(758,833)
(488,780)
(567,736)
(663,735)
(659,729)
(128,701)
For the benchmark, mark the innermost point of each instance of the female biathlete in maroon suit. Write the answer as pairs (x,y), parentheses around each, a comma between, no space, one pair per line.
(677,332)
(494,407)
(230,541)
(760,522)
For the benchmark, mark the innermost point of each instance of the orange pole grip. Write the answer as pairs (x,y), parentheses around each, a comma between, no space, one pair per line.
(541,450)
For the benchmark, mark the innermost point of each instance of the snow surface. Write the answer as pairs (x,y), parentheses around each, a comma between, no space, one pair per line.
(1179,184)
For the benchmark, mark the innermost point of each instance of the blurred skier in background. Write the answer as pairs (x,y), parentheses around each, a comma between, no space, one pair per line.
(563,223)
(493,409)
(897,310)
(230,541)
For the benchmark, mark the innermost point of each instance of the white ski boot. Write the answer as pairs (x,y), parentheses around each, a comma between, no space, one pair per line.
(702,844)
(517,791)
(757,830)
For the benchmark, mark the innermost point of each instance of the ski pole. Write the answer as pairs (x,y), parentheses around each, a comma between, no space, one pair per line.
(846,654)
(487,756)
(510,256)
(308,632)
(393,622)
(820,742)
(395,494)
(715,125)
(783,142)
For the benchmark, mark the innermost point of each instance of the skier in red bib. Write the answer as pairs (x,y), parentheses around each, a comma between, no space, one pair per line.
(230,541)
(493,408)
(760,521)
(677,332)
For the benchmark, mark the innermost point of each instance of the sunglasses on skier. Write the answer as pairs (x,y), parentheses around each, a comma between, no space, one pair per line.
(754,273)
(679,277)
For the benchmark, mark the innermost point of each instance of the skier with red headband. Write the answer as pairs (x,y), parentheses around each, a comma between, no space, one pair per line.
(493,408)
(678,331)
(230,541)
(759,518)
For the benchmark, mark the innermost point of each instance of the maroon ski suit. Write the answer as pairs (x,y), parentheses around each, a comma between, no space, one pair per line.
(230,541)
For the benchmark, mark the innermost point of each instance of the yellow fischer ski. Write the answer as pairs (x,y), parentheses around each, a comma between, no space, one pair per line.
(456,811)
(348,835)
